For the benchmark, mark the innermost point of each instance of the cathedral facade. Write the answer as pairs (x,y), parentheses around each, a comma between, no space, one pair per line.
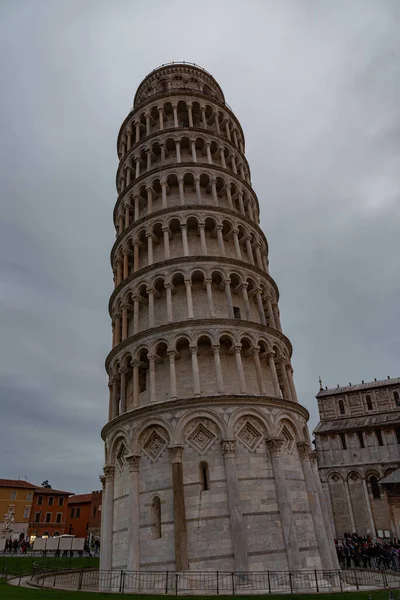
(208,463)
(358,451)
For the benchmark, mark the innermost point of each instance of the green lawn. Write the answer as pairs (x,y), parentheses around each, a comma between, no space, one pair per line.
(8,592)
(17,565)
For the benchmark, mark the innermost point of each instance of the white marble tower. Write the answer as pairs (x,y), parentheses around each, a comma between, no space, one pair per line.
(208,464)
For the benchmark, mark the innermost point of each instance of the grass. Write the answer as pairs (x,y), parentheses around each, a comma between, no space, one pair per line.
(8,592)
(20,565)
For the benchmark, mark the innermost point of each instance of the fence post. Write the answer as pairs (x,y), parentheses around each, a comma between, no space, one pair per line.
(166,582)
(176,584)
(340,580)
(316,579)
(80,580)
(356,580)
(290,582)
(120,581)
(233,584)
(217,584)
(123,582)
(269,583)
(383,579)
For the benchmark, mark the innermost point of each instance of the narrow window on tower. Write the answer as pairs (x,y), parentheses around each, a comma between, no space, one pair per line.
(379,437)
(204,476)
(236,312)
(343,440)
(142,379)
(376,492)
(396,398)
(341,407)
(361,439)
(156,510)
(369,402)
(398,434)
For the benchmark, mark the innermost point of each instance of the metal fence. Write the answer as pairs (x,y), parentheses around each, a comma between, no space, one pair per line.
(215,582)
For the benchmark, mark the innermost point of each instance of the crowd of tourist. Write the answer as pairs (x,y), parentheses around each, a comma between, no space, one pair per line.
(357,551)
(17,546)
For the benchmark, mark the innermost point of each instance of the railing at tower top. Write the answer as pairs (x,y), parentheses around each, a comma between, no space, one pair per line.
(182,62)
(179,87)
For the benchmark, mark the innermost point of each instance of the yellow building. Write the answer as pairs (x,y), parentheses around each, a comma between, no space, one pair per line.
(18,495)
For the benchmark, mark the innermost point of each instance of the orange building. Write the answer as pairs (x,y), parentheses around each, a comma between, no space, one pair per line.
(79,514)
(17,495)
(49,512)
(95,514)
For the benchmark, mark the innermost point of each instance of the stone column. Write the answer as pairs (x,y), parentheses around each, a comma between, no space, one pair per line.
(222,158)
(188,284)
(163,194)
(237,245)
(195,371)
(110,398)
(133,563)
(208,150)
(369,510)
(165,231)
(137,207)
(251,216)
(274,375)
(203,239)
(236,518)
(277,317)
(190,115)
(149,248)
(214,192)
(172,374)
(203,117)
(168,292)
(256,247)
(136,300)
(260,307)
(275,447)
(193,147)
(322,539)
(115,399)
(178,151)
(127,176)
(260,380)
(228,133)
(162,148)
(125,255)
(150,294)
(229,298)
(126,207)
(180,534)
(240,370)
(325,511)
(291,383)
(137,167)
(119,271)
(249,250)
(148,159)
(184,239)
(229,195)
(218,370)
(174,108)
(149,200)
(136,254)
(117,328)
(124,322)
(137,132)
(123,390)
(152,369)
(216,122)
(147,117)
(161,118)
(136,387)
(241,203)
(107,510)
(349,505)
(247,308)
(285,381)
(181,190)
(210,298)
(270,314)
(198,190)
(220,238)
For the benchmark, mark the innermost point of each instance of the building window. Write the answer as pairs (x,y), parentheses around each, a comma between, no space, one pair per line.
(56,534)
(204,476)
(72,513)
(46,534)
(361,439)
(27,510)
(37,517)
(29,496)
(40,500)
(156,510)
(369,402)
(94,511)
(376,492)
(58,517)
(341,407)
(48,517)
(78,513)
(51,500)
(343,440)
(379,437)
(396,398)
(13,495)
(398,434)
(236,312)
(61,501)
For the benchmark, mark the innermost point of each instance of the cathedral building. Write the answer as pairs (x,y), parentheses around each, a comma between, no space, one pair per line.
(358,450)
(208,462)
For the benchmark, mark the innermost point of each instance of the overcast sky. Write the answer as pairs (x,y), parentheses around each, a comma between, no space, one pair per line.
(316,86)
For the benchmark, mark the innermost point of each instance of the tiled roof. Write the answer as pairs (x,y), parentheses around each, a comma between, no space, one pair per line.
(359,387)
(352,423)
(42,490)
(80,498)
(393,477)
(17,483)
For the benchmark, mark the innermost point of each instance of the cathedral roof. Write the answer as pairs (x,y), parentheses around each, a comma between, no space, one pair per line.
(393,477)
(359,387)
(371,421)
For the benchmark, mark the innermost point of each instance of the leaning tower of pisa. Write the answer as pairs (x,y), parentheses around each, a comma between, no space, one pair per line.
(208,463)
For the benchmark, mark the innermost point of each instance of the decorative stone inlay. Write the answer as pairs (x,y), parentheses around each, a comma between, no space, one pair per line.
(304,450)
(154,446)
(201,438)
(249,436)
(228,447)
(121,454)
(288,440)
(335,477)
(275,446)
